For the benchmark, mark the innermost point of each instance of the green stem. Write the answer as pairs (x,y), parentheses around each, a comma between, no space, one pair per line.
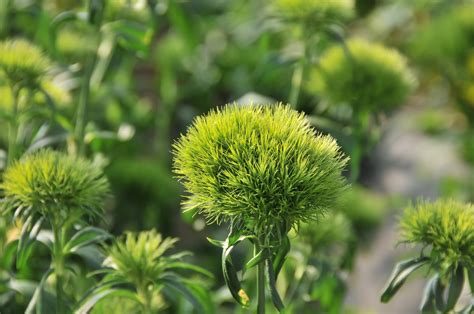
(260,282)
(13,126)
(360,126)
(58,261)
(145,295)
(296,81)
(81,114)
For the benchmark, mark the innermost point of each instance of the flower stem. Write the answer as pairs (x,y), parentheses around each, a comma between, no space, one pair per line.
(361,121)
(145,296)
(58,260)
(296,81)
(81,114)
(13,126)
(260,282)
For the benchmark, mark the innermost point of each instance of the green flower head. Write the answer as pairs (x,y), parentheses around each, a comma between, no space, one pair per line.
(262,167)
(447,226)
(53,184)
(368,76)
(138,257)
(22,61)
(311,11)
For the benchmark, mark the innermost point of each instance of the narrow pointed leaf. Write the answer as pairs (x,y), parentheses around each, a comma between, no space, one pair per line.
(280,256)
(84,237)
(194,298)
(215,242)
(92,301)
(470,276)
(400,273)
(455,288)
(38,304)
(191,267)
(259,257)
(428,303)
(276,299)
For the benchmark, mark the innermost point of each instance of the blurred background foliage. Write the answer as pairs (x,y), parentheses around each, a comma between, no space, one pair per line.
(154,65)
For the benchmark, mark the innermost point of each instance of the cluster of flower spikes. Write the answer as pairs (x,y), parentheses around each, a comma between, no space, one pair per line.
(367,76)
(138,257)
(447,226)
(315,11)
(21,61)
(259,167)
(52,184)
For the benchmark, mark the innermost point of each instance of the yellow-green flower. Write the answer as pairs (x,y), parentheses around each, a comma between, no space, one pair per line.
(20,60)
(53,184)
(447,226)
(369,76)
(261,167)
(313,11)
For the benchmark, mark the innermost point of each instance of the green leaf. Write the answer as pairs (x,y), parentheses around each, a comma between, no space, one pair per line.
(194,298)
(455,287)
(280,256)
(28,235)
(217,243)
(24,287)
(91,255)
(94,298)
(400,273)
(470,276)
(130,35)
(429,303)
(276,299)
(191,267)
(228,270)
(84,237)
(259,257)
(42,301)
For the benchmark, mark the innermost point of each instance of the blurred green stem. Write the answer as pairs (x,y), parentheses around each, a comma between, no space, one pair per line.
(296,81)
(360,126)
(260,282)
(81,113)
(58,260)
(145,295)
(13,126)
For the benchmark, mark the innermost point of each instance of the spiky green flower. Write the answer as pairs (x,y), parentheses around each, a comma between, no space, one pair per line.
(22,61)
(370,76)
(27,99)
(139,257)
(447,226)
(310,11)
(53,184)
(261,167)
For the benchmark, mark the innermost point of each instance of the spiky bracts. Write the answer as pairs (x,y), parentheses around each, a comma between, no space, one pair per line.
(261,167)
(21,61)
(447,226)
(52,183)
(367,76)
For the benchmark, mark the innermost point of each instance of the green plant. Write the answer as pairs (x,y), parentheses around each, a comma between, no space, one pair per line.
(22,65)
(314,20)
(138,260)
(446,229)
(370,78)
(263,170)
(51,189)
(445,45)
